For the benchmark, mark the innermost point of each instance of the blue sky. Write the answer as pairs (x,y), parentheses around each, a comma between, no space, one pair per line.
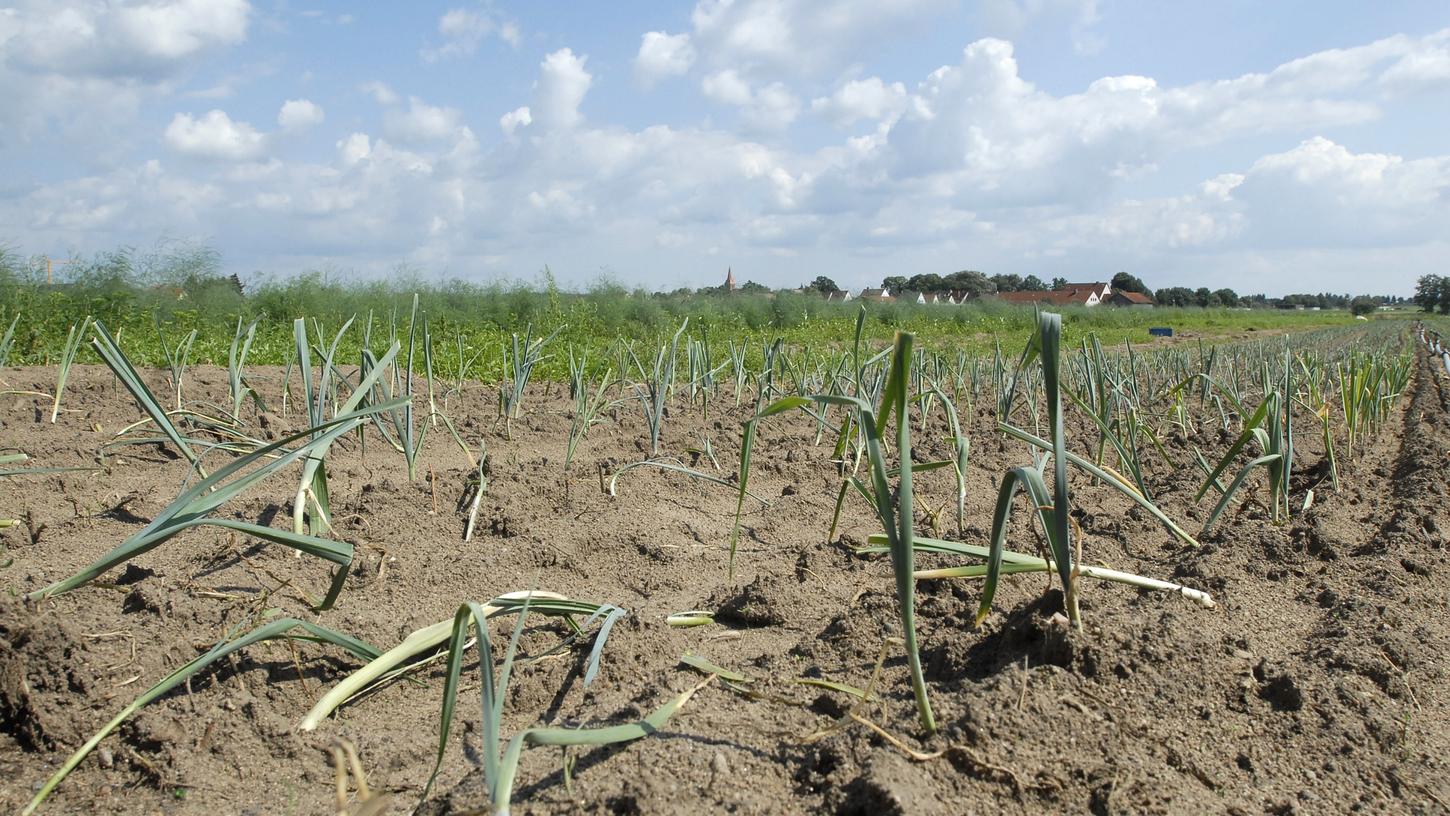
(1289,146)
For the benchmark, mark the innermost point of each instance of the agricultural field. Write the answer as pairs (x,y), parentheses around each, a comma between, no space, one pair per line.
(352,567)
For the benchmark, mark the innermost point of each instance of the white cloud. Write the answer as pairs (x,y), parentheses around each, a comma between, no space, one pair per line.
(298,114)
(862,99)
(380,92)
(1321,194)
(179,29)
(987,136)
(1422,66)
(422,123)
(354,148)
(462,30)
(515,119)
(776,39)
(1080,17)
(1284,222)
(772,107)
(214,136)
(563,83)
(86,66)
(663,55)
(111,40)
(727,87)
(971,163)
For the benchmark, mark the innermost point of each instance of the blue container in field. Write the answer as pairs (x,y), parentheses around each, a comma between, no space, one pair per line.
(1160,331)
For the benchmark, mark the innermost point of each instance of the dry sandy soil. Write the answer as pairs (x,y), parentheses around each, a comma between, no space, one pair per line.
(1318,685)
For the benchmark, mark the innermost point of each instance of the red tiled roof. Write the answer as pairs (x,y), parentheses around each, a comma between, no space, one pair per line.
(1133,297)
(1069,295)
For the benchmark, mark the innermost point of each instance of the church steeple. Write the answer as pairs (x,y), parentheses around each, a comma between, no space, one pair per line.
(729,279)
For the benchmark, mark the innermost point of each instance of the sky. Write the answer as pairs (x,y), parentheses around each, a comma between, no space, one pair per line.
(1266,147)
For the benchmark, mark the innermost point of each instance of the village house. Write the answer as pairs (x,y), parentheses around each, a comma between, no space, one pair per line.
(1072,294)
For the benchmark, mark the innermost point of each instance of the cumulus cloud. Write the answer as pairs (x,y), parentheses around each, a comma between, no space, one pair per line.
(214,136)
(75,64)
(862,99)
(727,87)
(380,92)
(663,55)
(1422,66)
(1322,194)
(972,162)
(1080,18)
(354,148)
(112,40)
(982,130)
(563,83)
(771,39)
(771,107)
(515,119)
(299,114)
(461,31)
(422,123)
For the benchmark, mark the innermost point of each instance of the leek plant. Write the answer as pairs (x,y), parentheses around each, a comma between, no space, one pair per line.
(1275,441)
(702,374)
(464,363)
(896,516)
(281,629)
(738,368)
(404,434)
(587,405)
(73,340)
(1052,507)
(312,491)
(1317,403)
(518,367)
(500,760)
(654,392)
(7,340)
(176,357)
(499,769)
(961,454)
(194,506)
(240,389)
(110,352)
(478,485)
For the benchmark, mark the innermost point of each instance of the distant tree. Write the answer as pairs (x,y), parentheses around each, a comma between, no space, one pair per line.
(975,284)
(894,283)
(1226,297)
(927,282)
(752,288)
(1032,283)
(1203,297)
(1363,305)
(1176,296)
(1124,282)
(1429,292)
(1007,283)
(1059,283)
(821,284)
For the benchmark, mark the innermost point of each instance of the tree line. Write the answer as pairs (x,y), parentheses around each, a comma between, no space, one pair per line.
(976,284)
(1432,293)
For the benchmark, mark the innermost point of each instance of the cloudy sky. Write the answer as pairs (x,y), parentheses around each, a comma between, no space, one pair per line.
(1300,148)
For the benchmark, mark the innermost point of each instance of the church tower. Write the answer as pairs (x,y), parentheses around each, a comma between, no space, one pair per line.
(729,280)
